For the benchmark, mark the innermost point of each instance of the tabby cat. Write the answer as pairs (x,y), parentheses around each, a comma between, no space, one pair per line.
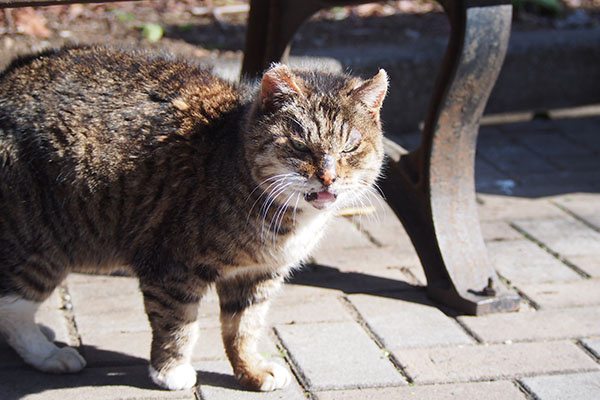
(112,158)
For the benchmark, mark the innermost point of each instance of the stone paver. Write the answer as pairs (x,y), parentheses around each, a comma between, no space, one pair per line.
(566,236)
(502,390)
(593,345)
(588,264)
(583,386)
(115,382)
(478,362)
(337,356)
(524,261)
(416,321)
(584,292)
(494,207)
(539,325)
(584,205)
(216,382)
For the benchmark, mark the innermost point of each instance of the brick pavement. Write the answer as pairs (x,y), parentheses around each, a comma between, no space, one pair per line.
(356,323)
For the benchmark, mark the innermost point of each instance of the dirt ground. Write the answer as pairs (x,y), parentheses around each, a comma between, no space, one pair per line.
(203,28)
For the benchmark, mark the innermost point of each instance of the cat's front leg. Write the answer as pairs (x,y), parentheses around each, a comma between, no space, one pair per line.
(244,302)
(172,313)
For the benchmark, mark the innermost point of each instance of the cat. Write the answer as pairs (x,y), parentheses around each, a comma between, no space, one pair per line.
(112,158)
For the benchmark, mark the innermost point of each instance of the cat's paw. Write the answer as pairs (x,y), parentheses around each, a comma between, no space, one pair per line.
(63,361)
(268,377)
(177,378)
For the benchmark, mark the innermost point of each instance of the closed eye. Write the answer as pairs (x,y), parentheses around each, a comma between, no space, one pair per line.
(354,141)
(299,146)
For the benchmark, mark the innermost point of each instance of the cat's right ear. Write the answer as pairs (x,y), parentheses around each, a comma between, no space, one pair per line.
(277,84)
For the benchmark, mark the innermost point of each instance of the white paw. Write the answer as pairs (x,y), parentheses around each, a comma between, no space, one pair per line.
(277,378)
(177,378)
(47,332)
(65,360)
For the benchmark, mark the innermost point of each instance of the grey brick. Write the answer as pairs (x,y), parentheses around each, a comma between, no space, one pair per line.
(584,205)
(115,382)
(409,320)
(566,236)
(480,362)
(593,345)
(320,276)
(501,390)
(582,386)
(524,261)
(385,227)
(106,348)
(216,381)
(111,322)
(510,157)
(498,231)
(540,325)
(337,356)
(588,264)
(493,207)
(585,292)
(307,309)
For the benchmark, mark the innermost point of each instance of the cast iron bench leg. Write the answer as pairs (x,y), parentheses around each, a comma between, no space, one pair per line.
(432,189)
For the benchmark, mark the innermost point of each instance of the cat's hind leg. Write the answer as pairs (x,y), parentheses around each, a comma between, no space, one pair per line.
(32,343)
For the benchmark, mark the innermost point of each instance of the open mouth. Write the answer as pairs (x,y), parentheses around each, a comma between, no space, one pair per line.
(320,200)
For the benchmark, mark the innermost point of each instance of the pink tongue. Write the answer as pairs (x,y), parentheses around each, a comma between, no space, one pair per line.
(325,196)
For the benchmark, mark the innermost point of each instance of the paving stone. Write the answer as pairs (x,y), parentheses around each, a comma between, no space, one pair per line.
(308,310)
(343,234)
(385,227)
(510,157)
(524,261)
(566,236)
(337,356)
(588,264)
(582,386)
(107,348)
(540,325)
(499,230)
(501,390)
(593,345)
(542,185)
(584,205)
(410,320)
(584,131)
(492,207)
(116,383)
(480,362)
(112,322)
(559,295)
(320,276)
(216,382)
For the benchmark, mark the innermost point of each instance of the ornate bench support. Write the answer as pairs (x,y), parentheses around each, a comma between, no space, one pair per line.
(432,189)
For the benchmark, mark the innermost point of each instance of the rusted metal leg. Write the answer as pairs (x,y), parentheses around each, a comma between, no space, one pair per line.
(271,26)
(432,189)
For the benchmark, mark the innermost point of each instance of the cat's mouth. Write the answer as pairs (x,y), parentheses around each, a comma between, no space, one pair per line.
(320,200)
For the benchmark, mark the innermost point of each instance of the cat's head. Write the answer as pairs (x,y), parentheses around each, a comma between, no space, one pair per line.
(316,137)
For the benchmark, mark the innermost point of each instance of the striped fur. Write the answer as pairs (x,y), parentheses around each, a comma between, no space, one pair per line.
(111,158)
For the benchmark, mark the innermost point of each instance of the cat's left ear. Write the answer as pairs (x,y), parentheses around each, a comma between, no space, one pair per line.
(372,92)
(277,83)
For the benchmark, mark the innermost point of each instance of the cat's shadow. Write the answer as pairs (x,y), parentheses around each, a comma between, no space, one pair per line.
(124,376)
(326,277)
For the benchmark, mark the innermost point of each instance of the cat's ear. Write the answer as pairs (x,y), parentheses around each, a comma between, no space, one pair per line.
(372,92)
(277,83)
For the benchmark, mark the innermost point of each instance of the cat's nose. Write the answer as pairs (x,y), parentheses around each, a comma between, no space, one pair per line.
(327,174)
